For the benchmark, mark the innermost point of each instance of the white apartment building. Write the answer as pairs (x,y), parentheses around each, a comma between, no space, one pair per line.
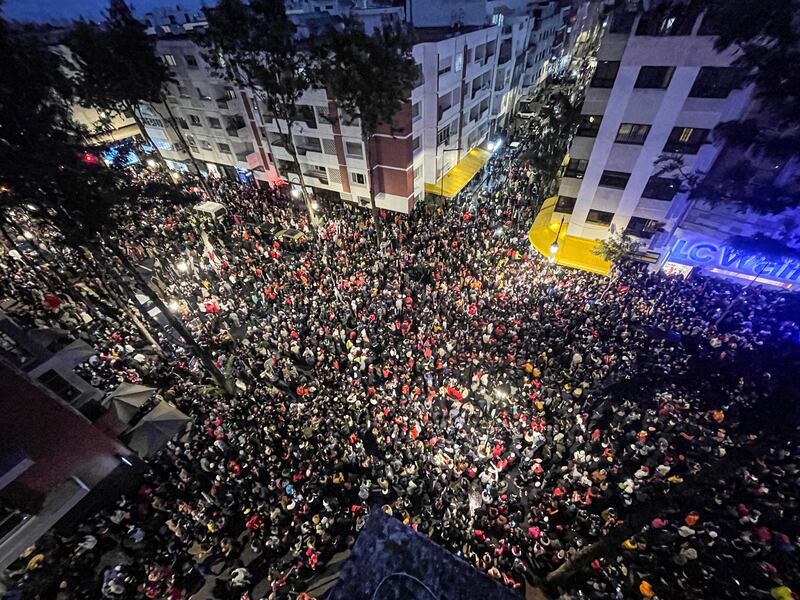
(658,90)
(546,51)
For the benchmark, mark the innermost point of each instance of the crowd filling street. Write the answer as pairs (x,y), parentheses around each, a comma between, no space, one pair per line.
(520,414)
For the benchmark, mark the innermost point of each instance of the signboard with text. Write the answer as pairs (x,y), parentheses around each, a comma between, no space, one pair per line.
(718,257)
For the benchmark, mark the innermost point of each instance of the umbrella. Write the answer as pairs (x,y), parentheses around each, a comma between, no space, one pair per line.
(156,429)
(74,354)
(127,399)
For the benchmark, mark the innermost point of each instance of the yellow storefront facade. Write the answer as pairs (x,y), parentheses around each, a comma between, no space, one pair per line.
(573,251)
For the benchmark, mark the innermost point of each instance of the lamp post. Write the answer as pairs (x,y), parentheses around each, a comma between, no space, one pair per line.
(554,245)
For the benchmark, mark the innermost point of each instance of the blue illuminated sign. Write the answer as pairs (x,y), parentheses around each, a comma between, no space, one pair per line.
(707,253)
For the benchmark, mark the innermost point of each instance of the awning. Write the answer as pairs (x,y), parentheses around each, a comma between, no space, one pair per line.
(573,251)
(460,175)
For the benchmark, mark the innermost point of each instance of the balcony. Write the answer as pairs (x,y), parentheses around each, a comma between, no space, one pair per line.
(475,91)
(320,176)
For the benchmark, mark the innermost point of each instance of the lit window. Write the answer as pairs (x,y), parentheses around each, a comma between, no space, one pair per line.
(632,133)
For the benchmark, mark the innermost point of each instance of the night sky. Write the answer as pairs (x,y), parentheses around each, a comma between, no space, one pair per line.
(55,10)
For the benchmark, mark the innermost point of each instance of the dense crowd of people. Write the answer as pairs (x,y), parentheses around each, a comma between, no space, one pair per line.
(525,416)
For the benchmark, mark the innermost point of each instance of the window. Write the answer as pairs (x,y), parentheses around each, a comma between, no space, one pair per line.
(632,133)
(576,168)
(58,385)
(674,22)
(183,91)
(643,228)
(686,140)
(354,150)
(445,64)
(191,61)
(358,178)
(230,94)
(654,77)
(182,122)
(168,59)
(420,76)
(195,121)
(605,74)
(599,217)
(417,172)
(214,123)
(206,145)
(306,114)
(443,136)
(224,148)
(589,125)
(192,142)
(416,111)
(614,179)
(661,188)
(415,144)
(565,204)
(716,82)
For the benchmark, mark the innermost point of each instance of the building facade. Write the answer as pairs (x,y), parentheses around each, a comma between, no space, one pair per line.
(474,66)
(658,90)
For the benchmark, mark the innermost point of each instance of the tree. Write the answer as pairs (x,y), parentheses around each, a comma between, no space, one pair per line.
(256,45)
(370,77)
(766,36)
(117,67)
(45,164)
(118,71)
(616,249)
(560,118)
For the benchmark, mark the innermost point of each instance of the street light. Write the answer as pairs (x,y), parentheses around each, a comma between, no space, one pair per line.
(182,266)
(27,235)
(151,163)
(314,204)
(295,192)
(495,145)
(173,305)
(554,245)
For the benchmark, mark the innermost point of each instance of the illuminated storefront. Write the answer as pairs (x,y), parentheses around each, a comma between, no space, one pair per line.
(719,258)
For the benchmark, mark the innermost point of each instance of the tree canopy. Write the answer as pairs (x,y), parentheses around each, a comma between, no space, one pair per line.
(766,36)
(117,63)
(369,75)
(256,44)
(616,249)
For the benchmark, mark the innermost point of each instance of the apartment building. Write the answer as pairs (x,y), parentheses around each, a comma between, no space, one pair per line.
(545,53)
(658,90)
(473,58)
